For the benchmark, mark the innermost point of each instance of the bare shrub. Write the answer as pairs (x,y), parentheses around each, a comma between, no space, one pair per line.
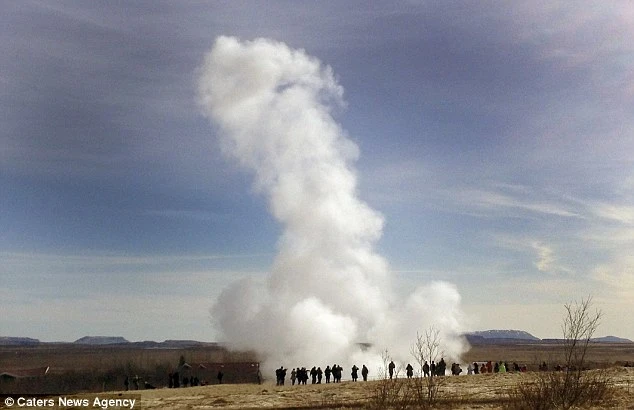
(551,390)
(424,391)
(572,386)
(387,393)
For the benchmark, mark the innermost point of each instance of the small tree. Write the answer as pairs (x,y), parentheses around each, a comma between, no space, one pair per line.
(573,387)
(427,348)
(387,393)
(578,327)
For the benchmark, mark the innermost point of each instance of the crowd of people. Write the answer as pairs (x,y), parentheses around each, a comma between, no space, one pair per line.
(334,373)
(301,375)
(174,380)
(495,367)
(316,374)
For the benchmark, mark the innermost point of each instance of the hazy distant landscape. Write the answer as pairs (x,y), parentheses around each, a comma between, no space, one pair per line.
(95,364)
(493,336)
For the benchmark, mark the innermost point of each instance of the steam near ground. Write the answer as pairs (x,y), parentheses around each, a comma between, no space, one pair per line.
(328,289)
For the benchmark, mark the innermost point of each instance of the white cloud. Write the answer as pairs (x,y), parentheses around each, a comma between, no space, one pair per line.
(618,213)
(545,257)
(495,200)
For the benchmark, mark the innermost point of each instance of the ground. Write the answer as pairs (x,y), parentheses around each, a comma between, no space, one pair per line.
(463,392)
(488,391)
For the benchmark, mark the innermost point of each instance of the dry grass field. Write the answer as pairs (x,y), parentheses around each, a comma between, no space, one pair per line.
(463,392)
(599,354)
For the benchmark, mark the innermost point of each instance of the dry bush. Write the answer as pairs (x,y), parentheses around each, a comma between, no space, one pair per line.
(418,392)
(553,390)
(387,393)
(573,386)
(424,391)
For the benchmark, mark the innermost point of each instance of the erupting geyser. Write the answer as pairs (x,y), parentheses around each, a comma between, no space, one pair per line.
(328,289)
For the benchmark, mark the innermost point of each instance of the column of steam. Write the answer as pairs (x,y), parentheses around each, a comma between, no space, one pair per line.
(328,289)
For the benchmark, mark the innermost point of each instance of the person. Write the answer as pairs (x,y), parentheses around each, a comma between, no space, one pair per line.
(327,374)
(136,382)
(391,368)
(354,373)
(338,373)
(410,370)
(313,375)
(502,367)
(364,373)
(433,368)
(298,375)
(476,370)
(126,383)
(469,369)
(220,376)
(441,367)
(293,376)
(426,369)
(319,374)
(177,380)
(483,369)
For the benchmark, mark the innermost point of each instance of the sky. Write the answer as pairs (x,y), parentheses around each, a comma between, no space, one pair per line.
(495,140)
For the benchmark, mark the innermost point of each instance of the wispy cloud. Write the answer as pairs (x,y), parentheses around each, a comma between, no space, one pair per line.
(17,259)
(495,200)
(545,257)
(619,213)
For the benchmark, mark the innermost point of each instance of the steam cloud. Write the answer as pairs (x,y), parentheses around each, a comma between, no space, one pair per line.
(328,290)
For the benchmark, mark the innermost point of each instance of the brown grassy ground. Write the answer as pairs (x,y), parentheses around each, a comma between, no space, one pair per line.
(481,391)
(464,392)
(84,357)
(531,354)
(65,356)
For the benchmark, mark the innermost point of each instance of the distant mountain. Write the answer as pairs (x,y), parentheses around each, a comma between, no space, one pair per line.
(520,336)
(172,344)
(504,334)
(110,340)
(610,339)
(21,341)
(100,340)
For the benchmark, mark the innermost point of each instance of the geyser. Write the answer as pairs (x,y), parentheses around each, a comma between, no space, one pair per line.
(328,289)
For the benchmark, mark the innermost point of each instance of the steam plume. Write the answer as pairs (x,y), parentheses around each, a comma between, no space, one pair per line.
(328,289)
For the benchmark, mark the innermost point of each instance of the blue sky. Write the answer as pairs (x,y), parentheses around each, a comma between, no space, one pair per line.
(495,138)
